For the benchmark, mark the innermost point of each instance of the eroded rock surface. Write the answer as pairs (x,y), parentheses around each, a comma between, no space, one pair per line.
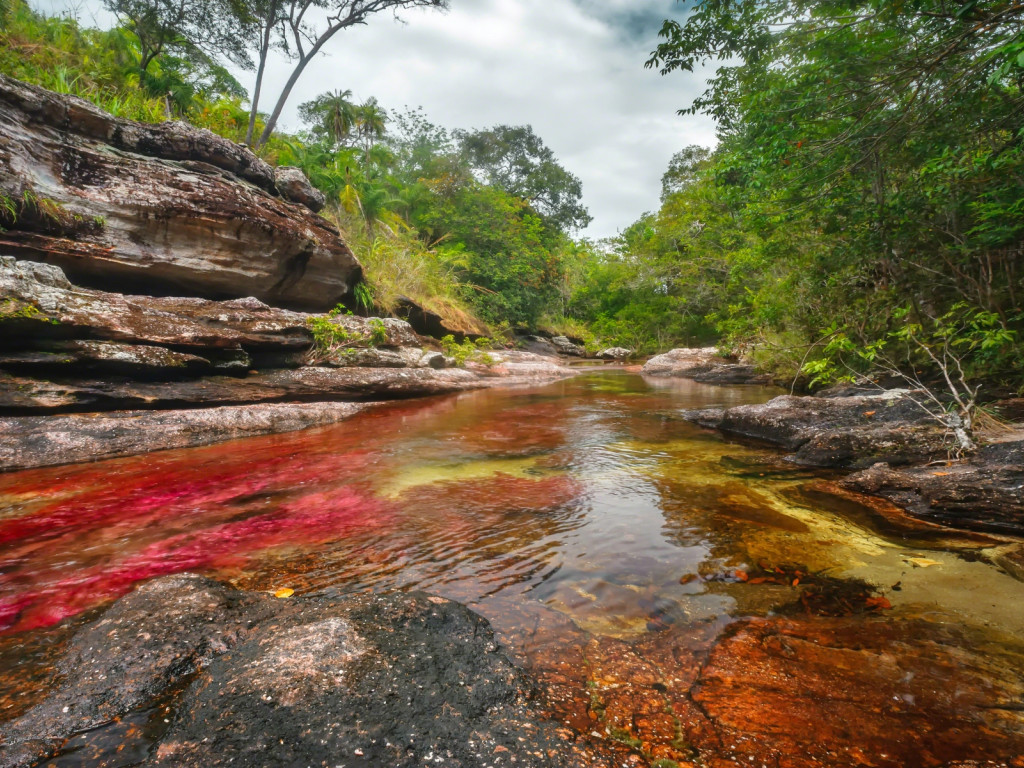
(163,209)
(397,680)
(983,492)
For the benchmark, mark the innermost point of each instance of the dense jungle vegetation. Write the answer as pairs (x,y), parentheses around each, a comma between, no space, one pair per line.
(863,207)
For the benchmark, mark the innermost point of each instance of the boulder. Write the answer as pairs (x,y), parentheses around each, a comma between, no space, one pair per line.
(683,361)
(704,365)
(158,209)
(567,347)
(294,186)
(615,353)
(852,432)
(399,680)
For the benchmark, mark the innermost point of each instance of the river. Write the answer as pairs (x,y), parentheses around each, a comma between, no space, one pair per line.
(624,556)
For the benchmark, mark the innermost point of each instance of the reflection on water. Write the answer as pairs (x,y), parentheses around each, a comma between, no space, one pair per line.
(574,516)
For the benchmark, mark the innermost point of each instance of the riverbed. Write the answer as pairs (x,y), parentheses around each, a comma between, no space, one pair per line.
(678,596)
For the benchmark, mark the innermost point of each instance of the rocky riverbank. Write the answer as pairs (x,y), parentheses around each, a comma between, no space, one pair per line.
(901,451)
(163,287)
(87,374)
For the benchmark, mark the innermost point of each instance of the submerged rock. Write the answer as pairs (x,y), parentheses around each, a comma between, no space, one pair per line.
(364,680)
(164,208)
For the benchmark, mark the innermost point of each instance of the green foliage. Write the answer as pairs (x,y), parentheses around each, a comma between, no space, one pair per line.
(467,351)
(12,309)
(378,332)
(870,157)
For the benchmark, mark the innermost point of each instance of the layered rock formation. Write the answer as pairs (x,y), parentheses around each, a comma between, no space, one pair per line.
(148,364)
(163,209)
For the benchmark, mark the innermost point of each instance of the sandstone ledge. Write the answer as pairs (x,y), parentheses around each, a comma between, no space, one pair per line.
(41,441)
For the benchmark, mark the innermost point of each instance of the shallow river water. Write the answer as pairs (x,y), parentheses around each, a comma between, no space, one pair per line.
(679,596)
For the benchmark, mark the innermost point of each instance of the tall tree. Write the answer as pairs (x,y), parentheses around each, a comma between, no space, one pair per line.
(267,20)
(308,26)
(517,160)
(214,28)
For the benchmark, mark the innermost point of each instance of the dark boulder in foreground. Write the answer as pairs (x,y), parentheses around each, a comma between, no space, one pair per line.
(400,680)
(852,432)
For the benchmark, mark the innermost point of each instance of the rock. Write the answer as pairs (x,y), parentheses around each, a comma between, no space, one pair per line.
(429,323)
(398,680)
(293,185)
(63,310)
(615,353)
(431,359)
(680,362)
(566,347)
(703,365)
(158,209)
(311,384)
(731,373)
(853,432)
(28,442)
(135,360)
(984,492)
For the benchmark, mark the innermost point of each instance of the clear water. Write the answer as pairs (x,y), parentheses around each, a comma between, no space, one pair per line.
(580,512)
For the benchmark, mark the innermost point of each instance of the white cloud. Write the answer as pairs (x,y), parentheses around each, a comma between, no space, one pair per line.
(571,68)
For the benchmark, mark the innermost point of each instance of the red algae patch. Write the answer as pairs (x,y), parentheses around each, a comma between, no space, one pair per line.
(310,519)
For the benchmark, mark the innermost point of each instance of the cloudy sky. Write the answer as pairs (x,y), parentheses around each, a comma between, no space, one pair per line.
(571,68)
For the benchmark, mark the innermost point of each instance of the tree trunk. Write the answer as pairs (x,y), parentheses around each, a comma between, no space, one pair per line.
(254,107)
(296,73)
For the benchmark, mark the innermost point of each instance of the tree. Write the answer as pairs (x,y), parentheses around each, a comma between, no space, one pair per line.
(682,169)
(267,19)
(371,123)
(213,28)
(331,114)
(306,28)
(515,159)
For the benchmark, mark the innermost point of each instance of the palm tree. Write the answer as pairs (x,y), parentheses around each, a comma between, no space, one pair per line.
(331,114)
(371,123)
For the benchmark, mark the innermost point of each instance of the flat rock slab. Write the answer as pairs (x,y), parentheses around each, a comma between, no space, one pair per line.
(42,441)
(852,432)
(400,680)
